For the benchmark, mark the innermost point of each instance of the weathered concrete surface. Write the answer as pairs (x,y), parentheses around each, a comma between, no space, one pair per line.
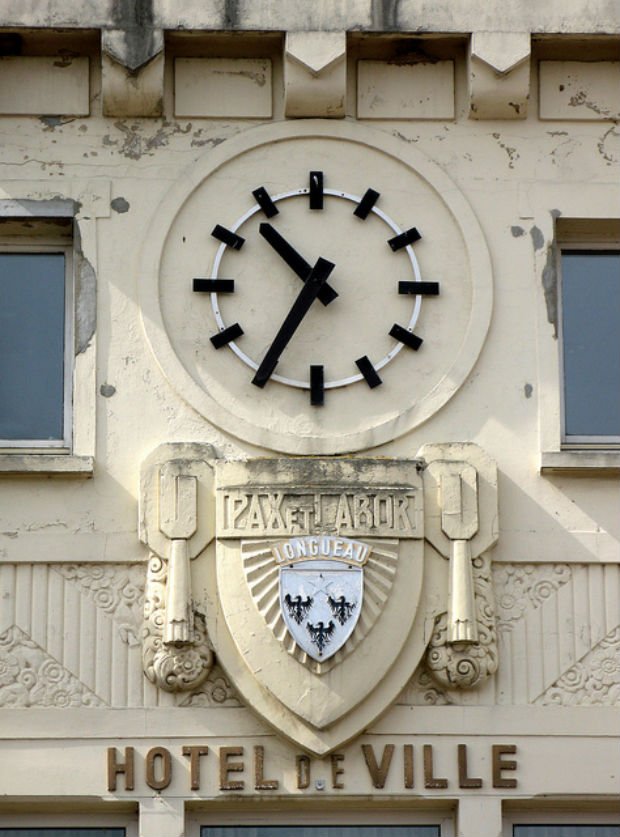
(594,16)
(72,568)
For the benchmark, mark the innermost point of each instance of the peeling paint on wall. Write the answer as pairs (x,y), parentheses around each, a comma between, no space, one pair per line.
(120,205)
(550,288)
(85,297)
(134,144)
(606,144)
(538,239)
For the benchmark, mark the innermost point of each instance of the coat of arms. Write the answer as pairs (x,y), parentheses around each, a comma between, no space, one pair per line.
(317,589)
(321,591)
(320,597)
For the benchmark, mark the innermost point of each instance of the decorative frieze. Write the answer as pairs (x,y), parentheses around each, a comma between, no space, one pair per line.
(593,681)
(31,677)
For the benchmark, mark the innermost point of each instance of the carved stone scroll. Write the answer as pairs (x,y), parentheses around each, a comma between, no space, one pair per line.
(458,665)
(460,498)
(177,523)
(172,668)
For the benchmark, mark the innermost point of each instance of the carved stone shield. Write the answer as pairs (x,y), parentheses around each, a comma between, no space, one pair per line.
(312,595)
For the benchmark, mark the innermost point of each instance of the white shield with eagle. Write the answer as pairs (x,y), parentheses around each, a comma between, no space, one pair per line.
(321,591)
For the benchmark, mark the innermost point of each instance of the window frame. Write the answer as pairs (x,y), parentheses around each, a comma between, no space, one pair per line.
(199,815)
(17,246)
(93,819)
(587,814)
(80,207)
(565,245)
(567,226)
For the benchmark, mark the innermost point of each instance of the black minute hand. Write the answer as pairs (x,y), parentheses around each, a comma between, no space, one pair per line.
(311,289)
(294,260)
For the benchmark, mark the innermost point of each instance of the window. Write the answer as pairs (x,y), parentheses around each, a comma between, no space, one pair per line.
(62,832)
(585,820)
(47,337)
(384,820)
(590,340)
(324,831)
(579,342)
(35,346)
(566,831)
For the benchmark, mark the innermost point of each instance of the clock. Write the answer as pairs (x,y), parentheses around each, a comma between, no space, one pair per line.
(321,282)
(315,288)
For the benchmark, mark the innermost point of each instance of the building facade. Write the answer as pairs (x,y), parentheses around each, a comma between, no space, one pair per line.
(310,418)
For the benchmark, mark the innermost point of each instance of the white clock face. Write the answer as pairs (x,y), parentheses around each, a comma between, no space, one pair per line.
(315,288)
(314,357)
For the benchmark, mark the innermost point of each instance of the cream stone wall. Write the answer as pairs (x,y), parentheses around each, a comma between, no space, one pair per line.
(483,124)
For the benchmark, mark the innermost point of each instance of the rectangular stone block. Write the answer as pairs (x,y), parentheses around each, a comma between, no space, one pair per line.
(579,90)
(405,91)
(42,86)
(223,87)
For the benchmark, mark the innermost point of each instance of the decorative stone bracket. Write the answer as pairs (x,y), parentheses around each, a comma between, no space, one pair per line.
(315,74)
(177,522)
(499,75)
(132,71)
(460,502)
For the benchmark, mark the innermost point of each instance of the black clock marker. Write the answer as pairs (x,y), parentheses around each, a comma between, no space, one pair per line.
(317,385)
(228,237)
(419,288)
(408,237)
(299,309)
(263,199)
(221,286)
(222,338)
(406,337)
(363,208)
(294,260)
(316,190)
(368,371)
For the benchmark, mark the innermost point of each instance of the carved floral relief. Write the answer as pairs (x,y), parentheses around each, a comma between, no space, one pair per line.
(593,681)
(29,676)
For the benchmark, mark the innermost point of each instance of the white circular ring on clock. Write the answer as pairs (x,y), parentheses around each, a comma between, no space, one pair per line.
(292,382)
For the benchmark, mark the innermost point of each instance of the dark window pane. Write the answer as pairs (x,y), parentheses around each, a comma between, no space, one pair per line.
(322,831)
(62,832)
(591,342)
(32,335)
(566,831)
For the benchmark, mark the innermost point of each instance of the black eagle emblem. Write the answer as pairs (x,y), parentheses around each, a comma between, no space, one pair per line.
(341,608)
(298,607)
(320,634)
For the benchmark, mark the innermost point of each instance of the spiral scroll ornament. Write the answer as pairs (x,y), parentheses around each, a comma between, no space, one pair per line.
(171,668)
(465,665)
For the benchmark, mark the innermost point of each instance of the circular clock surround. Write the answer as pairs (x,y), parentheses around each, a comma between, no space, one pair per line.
(413,192)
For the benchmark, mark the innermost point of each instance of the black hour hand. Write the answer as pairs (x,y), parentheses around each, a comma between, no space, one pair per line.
(294,260)
(310,291)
